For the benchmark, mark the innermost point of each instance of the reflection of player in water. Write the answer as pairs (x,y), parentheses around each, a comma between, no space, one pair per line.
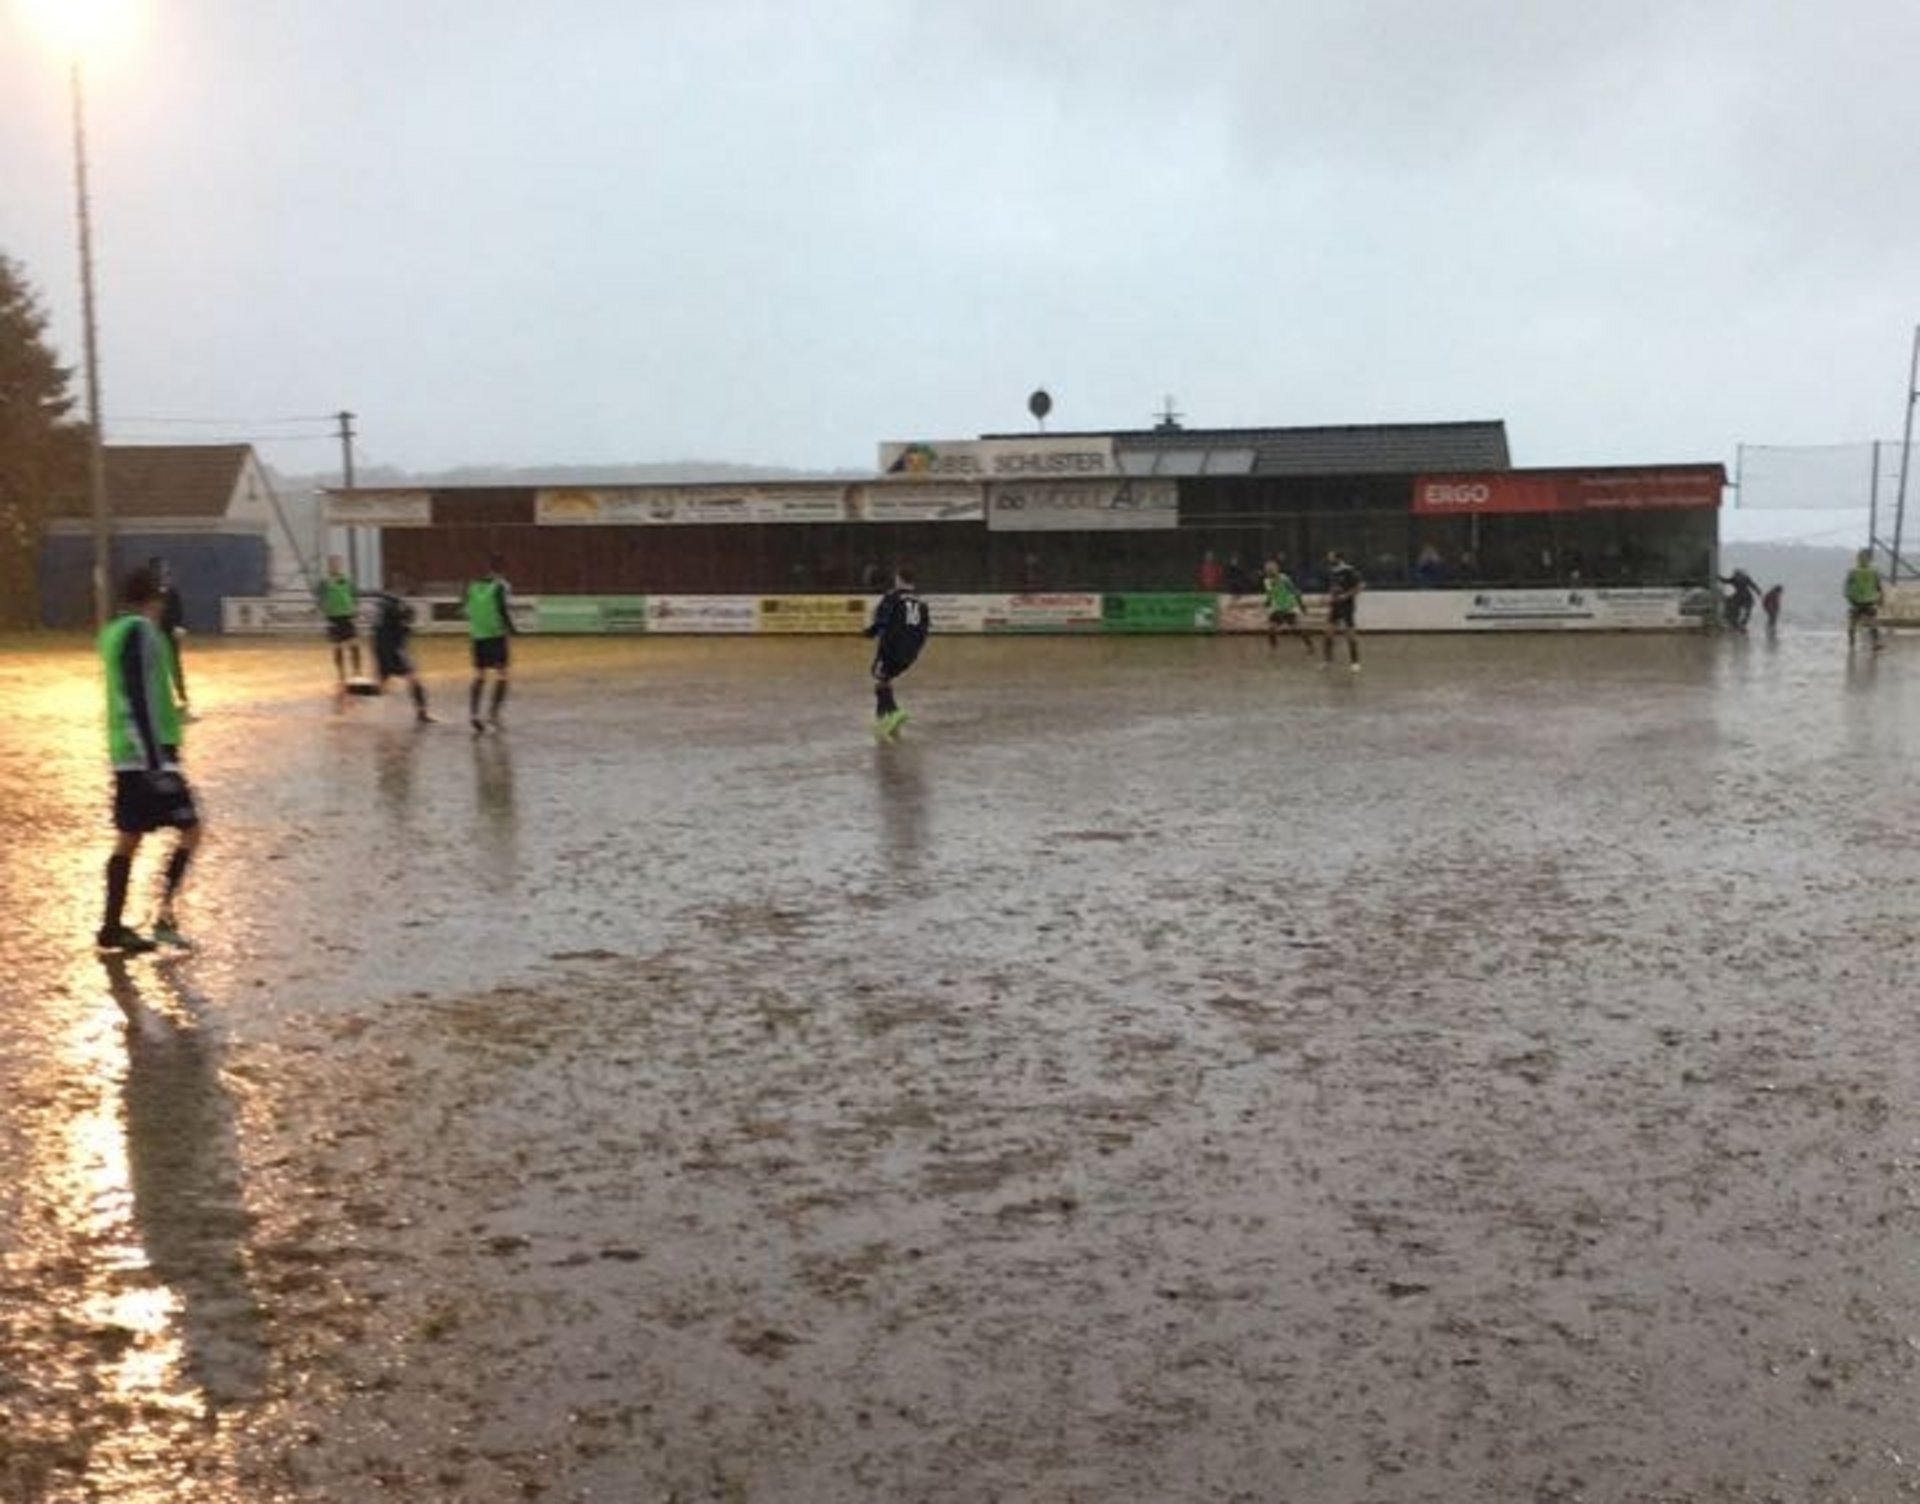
(499,826)
(903,813)
(183,1169)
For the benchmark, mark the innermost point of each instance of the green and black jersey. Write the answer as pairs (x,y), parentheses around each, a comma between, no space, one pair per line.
(337,597)
(143,723)
(1863,586)
(1282,594)
(489,609)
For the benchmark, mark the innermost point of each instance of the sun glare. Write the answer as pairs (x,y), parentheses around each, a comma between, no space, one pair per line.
(82,28)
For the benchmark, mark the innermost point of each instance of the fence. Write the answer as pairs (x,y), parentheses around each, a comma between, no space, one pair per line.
(1873,478)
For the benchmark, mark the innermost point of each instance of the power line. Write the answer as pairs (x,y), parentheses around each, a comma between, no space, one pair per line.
(231,422)
(120,437)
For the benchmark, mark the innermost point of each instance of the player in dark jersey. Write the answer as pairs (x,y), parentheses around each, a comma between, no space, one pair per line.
(392,627)
(899,630)
(1343,594)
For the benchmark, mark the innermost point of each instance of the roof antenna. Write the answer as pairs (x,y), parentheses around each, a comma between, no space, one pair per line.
(1169,419)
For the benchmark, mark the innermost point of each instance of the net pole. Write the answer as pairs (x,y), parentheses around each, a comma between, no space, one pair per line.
(1873,499)
(1906,454)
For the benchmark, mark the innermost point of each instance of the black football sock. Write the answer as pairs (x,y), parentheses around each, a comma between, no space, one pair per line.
(176,872)
(499,697)
(473,699)
(119,873)
(419,696)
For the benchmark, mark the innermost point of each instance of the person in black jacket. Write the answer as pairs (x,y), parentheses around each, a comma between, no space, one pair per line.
(392,627)
(173,628)
(899,629)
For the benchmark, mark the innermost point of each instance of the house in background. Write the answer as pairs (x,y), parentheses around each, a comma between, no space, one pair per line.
(209,510)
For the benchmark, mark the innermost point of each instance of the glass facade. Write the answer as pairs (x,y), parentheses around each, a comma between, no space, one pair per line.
(1228,526)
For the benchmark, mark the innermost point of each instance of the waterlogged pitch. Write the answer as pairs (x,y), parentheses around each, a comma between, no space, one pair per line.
(1168,1072)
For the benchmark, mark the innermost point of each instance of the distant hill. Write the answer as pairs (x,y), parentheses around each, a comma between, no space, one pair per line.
(673,473)
(1811,576)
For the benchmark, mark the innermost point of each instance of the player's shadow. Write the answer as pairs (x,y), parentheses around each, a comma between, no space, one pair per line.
(900,781)
(184,1172)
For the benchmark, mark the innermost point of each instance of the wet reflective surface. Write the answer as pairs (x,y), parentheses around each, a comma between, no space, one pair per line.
(1169,1073)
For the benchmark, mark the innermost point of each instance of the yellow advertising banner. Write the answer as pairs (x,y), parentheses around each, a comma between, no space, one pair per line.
(815,613)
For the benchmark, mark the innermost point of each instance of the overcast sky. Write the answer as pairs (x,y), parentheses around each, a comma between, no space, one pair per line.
(577,232)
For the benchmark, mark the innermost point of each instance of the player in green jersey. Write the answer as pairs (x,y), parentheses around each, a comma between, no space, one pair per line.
(489,610)
(1284,607)
(143,745)
(340,604)
(1864,591)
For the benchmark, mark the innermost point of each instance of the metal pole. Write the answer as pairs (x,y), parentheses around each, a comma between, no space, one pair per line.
(1906,454)
(346,473)
(96,443)
(1873,499)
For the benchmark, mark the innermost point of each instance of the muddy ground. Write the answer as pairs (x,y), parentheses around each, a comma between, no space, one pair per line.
(1170,1073)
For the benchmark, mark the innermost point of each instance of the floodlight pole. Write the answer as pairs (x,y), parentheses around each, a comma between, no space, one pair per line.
(96,443)
(1906,454)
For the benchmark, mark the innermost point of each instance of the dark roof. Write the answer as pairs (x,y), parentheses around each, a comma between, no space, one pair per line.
(1349,449)
(167,480)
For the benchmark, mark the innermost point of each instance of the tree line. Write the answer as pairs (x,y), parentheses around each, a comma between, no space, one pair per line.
(43,448)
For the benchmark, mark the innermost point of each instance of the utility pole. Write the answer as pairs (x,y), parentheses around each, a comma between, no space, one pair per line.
(346,479)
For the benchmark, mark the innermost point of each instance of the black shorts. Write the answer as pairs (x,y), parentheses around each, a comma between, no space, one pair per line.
(1283,618)
(151,801)
(490,652)
(886,669)
(1340,613)
(341,629)
(391,662)
(1862,611)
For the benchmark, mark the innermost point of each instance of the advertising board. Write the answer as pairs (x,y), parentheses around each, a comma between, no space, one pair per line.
(1170,611)
(815,613)
(1660,488)
(1039,457)
(379,509)
(594,614)
(1042,611)
(1083,506)
(702,613)
(669,506)
(924,501)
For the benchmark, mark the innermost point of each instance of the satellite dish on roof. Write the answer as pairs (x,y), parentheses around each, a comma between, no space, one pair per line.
(1040,404)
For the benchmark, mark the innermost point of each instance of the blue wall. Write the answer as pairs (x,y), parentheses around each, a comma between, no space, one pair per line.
(206,567)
